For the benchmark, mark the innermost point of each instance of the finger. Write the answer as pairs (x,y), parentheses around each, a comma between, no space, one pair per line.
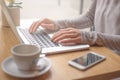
(72,30)
(61,32)
(68,29)
(76,40)
(60,36)
(64,36)
(34,26)
(31,28)
(48,26)
(46,20)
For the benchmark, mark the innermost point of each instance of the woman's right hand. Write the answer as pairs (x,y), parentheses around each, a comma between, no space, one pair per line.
(45,23)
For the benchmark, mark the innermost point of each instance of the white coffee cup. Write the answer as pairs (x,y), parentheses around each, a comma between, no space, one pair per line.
(25,55)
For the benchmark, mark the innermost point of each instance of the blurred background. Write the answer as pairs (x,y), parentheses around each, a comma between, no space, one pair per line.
(56,9)
(52,8)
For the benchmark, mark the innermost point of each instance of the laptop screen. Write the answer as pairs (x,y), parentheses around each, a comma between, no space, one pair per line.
(9,18)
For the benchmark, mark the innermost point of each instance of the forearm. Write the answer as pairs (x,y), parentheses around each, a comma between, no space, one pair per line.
(78,22)
(101,39)
(83,21)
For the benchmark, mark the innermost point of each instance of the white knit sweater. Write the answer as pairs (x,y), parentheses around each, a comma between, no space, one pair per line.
(104,15)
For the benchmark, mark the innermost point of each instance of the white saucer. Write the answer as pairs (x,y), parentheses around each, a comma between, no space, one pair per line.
(10,68)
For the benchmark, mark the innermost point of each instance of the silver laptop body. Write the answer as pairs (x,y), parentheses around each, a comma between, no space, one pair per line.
(42,38)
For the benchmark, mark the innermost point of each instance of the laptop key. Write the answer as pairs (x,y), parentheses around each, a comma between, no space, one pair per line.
(40,38)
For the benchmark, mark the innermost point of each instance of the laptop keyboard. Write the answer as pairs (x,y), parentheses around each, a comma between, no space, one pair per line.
(38,38)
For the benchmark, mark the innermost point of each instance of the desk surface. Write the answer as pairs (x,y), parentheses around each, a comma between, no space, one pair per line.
(60,69)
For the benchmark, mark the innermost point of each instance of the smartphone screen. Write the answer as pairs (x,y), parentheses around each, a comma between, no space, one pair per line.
(87,60)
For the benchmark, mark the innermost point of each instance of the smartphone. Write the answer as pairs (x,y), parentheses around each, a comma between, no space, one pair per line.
(86,61)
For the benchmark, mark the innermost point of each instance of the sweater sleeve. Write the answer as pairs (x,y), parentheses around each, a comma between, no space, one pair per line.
(101,39)
(82,21)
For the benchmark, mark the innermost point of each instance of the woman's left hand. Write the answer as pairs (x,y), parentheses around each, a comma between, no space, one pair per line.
(67,36)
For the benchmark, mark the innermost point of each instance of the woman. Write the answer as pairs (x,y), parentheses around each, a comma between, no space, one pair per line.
(104,15)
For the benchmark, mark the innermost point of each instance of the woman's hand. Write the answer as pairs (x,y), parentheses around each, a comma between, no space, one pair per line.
(45,23)
(68,36)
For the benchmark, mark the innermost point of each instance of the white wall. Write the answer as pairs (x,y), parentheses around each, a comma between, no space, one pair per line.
(47,8)
(50,8)
(75,4)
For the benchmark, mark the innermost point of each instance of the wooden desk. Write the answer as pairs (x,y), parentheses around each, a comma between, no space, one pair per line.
(60,69)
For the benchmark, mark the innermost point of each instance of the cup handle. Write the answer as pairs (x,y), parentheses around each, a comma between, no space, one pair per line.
(38,63)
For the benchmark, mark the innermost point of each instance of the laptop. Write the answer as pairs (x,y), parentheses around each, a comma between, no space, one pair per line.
(40,38)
